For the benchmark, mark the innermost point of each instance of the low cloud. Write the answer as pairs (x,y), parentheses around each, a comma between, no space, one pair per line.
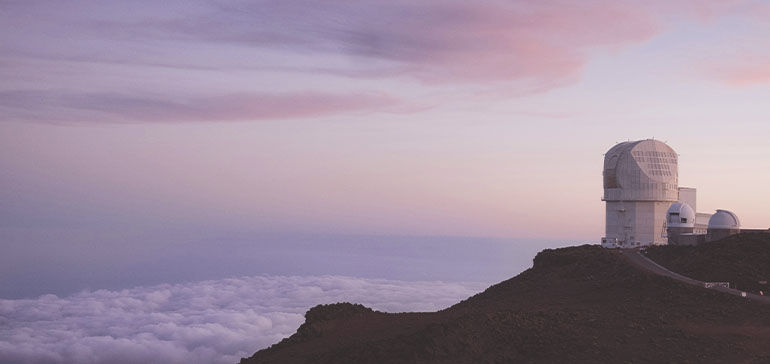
(216,321)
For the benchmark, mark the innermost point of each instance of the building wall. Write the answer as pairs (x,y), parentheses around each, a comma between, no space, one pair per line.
(717,234)
(637,223)
(689,196)
(691,239)
(755,231)
(701,222)
(675,235)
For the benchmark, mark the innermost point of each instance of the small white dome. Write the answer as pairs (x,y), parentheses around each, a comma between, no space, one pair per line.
(680,214)
(724,219)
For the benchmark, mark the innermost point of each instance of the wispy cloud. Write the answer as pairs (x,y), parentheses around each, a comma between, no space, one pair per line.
(738,54)
(310,49)
(64,106)
(435,41)
(755,71)
(205,322)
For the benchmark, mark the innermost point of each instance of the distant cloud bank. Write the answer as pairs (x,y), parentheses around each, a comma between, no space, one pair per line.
(217,321)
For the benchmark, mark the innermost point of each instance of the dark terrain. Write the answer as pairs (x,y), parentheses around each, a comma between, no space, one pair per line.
(743,260)
(575,305)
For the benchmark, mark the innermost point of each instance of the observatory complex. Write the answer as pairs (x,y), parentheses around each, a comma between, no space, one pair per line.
(645,205)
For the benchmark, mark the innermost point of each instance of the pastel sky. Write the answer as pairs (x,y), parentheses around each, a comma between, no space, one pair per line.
(432,117)
(181,180)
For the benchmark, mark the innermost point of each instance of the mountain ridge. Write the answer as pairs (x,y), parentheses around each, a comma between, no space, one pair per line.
(579,304)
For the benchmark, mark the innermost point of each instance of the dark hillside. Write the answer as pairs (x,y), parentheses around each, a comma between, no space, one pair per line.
(743,260)
(575,305)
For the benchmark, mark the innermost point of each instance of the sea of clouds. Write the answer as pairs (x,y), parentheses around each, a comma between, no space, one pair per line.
(214,321)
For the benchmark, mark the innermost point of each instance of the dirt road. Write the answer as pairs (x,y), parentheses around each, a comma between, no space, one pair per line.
(637,258)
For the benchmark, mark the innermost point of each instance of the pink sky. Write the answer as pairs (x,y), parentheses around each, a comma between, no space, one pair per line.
(372,117)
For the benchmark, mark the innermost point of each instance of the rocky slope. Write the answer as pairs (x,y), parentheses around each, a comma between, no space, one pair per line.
(743,260)
(575,305)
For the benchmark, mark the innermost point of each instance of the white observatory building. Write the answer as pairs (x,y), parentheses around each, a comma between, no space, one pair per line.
(640,184)
(646,206)
(723,224)
(680,219)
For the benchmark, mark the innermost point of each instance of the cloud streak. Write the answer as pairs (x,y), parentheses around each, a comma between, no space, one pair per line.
(255,60)
(64,106)
(748,72)
(204,322)
(735,52)
(433,41)
(102,61)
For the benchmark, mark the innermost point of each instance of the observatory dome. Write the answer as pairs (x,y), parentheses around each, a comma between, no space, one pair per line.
(680,214)
(724,219)
(644,170)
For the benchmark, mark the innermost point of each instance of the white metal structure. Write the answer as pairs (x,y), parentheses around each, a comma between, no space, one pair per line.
(640,184)
(680,215)
(680,220)
(688,195)
(724,219)
(721,225)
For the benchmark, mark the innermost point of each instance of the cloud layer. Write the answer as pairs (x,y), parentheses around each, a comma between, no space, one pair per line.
(204,322)
(208,60)
(434,40)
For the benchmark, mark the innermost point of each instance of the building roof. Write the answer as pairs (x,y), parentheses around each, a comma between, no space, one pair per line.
(641,170)
(680,214)
(724,219)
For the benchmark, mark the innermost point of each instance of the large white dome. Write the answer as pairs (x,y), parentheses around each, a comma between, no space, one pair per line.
(724,219)
(680,214)
(643,170)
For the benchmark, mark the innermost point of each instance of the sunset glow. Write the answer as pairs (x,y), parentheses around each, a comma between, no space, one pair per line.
(128,125)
